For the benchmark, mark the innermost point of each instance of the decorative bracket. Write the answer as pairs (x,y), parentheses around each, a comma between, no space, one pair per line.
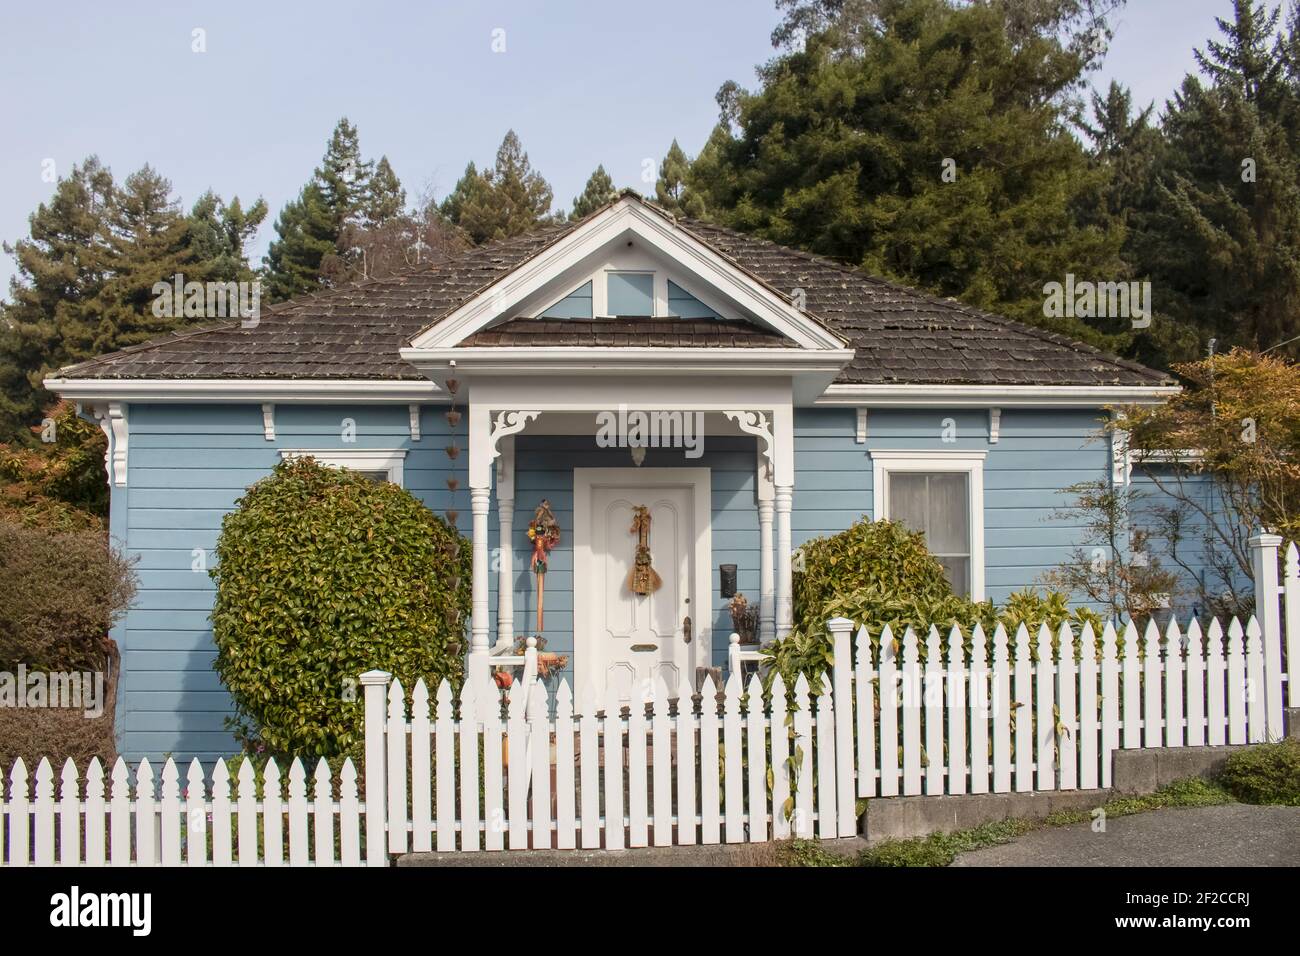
(415,421)
(508,423)
(268,421)
(995,425)
(1121,463)
(112,421)
(860,436)
(758,425)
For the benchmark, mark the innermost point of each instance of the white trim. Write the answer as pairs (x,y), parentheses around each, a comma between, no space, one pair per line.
(352,391)
(702,610)
(598,360)
(390,460)
(628,216)
(413,411)
(268,421)
(980,396)
(995,425)
(112,418)
(969,462)
(860,431)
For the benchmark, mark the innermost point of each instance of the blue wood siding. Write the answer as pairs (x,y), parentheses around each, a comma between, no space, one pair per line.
(189,465)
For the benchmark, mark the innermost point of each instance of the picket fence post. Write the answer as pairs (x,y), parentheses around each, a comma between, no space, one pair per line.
(375,689)
(1291,590)
(1263,556)
(842,681)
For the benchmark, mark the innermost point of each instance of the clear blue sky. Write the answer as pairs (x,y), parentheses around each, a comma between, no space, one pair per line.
(581,82)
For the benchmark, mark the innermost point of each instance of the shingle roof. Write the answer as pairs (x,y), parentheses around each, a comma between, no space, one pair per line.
(900,335)
(628,333)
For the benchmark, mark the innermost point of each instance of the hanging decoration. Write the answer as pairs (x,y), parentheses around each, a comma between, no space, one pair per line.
(643,579)
(544,533)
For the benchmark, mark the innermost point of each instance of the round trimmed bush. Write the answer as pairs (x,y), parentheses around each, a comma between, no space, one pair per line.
(323,574)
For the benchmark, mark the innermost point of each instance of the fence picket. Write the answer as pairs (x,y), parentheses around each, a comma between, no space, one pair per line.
(517,758)
(888,714)
(221,834)
(661,732)
(732,753)
(1024,711)
(19,823)
(1174,701)
(1066,693)
(422,771)
(612,738)
(468,765)
(494,810)
(196,817)
(1236,684)
(865,712)
(1045,712)
(955,701)
(95,820)
(803,756)
(1110,700)
(934,762)
(70,817)
(1256,692)
(43,816)
(246,814)
(1215,680)
(782,805)
(1132,690)
(273,814)
(1089,724)
(539,735)
(638,818)
(444,758)
(322,812)
(710,805)
(589,768)
(1001,706)
(686,827)
(978,697)
(298,845)
(349,816)
(756,756)
(1291,615)
(399,820)
(827,815)
(1152,712)
(169,816)
(1195,683)
(842,683)
(912,698)
(565,820)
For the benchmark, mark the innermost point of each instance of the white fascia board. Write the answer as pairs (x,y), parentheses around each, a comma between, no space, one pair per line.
(337,391)
(607,227)
(722,361)
(1001,396)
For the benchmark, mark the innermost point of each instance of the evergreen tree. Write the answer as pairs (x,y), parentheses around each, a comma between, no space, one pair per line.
(928,141)
(1223,244)
(385,198)
(672,190)
(308,234)
(598,191)
(510,200)
(343,178)
(219,236)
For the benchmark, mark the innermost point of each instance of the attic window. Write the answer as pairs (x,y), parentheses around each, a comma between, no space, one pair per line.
(630,294)
(575,305)
(684,305)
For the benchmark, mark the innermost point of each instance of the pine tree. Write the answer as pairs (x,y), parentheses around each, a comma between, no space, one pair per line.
(343,178)
(385,198)
(510,200)
(308,233)
(598,191)
(672,190)
(219,236)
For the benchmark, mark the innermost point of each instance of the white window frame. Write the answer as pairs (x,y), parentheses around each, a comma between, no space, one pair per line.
(389,460)
(970,463)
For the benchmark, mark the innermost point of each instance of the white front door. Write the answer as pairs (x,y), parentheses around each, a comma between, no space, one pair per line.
(626,640)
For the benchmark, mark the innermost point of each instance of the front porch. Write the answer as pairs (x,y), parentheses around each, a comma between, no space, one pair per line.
(724,498)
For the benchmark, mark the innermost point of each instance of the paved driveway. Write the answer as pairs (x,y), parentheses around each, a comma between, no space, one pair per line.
(1231,835)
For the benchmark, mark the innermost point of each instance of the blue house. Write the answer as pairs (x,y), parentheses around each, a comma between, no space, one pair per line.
(747,396)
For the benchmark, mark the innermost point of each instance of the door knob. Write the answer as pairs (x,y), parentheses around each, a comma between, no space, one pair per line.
(686,628)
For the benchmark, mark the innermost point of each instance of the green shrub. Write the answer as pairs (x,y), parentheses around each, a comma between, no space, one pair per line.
(323,574)
(1267,773)
(880,573)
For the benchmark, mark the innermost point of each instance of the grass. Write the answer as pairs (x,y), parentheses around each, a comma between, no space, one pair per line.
(940,849)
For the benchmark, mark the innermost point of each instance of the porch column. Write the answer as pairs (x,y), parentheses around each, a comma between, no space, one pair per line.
(480,490)
(764,492)
(506,555)
(783,466)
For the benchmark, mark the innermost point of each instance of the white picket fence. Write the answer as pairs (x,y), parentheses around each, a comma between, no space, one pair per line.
(925,714)
(135,825)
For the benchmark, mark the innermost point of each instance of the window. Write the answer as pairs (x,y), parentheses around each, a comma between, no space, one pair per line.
(684,305)
(377,465)
(575,305)
(942,495)
(630,293)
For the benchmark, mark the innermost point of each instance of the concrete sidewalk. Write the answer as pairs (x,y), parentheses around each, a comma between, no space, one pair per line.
(1230,835)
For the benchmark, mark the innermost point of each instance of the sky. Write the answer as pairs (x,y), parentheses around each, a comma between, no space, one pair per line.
(432,84)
